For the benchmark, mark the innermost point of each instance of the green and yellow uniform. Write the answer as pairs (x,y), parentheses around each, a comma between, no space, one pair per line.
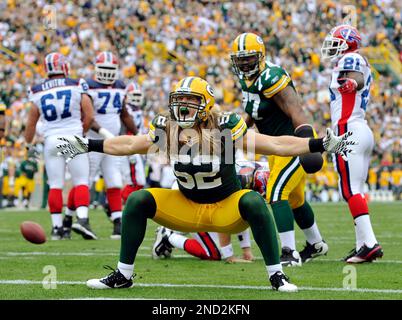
(210,197)
(18,180)
(209,191)
(287,178)
(28,169)
(8,188)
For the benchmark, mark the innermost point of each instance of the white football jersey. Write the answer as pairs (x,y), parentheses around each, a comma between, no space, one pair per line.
(108,103)
(349,107)
(138,117)
(59,104)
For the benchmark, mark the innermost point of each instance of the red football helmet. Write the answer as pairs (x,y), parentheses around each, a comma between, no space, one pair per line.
(134,94)
(55,64)
(106,67)
(340,40)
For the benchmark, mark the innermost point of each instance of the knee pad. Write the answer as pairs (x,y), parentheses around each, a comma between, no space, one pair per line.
(141,202)
(55,200)
(252,204)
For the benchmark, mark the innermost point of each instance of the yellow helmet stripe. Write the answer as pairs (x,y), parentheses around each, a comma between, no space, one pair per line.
(242,42)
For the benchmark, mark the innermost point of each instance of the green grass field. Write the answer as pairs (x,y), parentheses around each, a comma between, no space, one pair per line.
(22,264)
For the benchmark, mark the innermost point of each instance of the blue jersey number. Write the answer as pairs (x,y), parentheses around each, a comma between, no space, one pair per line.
(49,110)
(106,96)
(349,64)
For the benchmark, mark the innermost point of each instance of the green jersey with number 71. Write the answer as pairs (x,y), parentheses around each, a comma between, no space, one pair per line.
(206,178)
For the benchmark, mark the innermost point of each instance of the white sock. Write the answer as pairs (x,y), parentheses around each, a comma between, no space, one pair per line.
(116,215)
(288,239)
(272,269)
(227,251)
(312,234)
(69,212)
(177,240)
(126,269)
(364,232)
(82,212)
(244,239)
(57,220)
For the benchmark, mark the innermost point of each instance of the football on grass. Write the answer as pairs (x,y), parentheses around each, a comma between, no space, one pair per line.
(33,232)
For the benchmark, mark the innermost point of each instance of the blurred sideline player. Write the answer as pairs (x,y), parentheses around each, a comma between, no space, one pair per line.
(64,106)
(28,168)
(209,245)
(8,167)
(271,102)
(107,93)
(350,93)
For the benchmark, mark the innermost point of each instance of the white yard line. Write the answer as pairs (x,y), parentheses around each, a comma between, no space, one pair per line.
(108,298)
(215,286)
(105,253)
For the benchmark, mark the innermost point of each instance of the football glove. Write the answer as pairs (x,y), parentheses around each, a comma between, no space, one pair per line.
(347,85)
(339,145)
(72,146)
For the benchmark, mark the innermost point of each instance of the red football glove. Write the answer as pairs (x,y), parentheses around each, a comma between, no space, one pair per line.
(347,85)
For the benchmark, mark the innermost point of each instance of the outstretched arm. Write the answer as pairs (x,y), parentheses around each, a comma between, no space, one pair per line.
(289,146)
(127,145)
(71,146)
(285,146)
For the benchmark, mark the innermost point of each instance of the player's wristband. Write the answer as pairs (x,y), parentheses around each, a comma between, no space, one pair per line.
(316,145)
(95,145)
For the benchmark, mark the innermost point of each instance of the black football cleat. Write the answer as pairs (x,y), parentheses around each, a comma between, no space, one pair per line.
(116,229)
(114,280)
(57,233)
(366,254)
(83,228)
(280,282)
(290,258)
(350,254)
(67,223)
(312,251)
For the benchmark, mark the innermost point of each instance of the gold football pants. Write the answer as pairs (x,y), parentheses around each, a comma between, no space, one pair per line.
(176,212)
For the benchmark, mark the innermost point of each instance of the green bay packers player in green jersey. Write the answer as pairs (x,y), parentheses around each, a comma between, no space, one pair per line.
(200,142)
(271,102)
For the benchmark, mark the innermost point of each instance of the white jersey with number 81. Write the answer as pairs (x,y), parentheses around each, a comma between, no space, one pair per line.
(351,107)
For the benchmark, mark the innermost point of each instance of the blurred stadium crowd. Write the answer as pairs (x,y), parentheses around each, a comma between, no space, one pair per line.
(159,42)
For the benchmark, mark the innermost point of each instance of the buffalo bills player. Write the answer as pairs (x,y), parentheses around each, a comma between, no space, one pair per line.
(63,105)
(350,92)
(107,93)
